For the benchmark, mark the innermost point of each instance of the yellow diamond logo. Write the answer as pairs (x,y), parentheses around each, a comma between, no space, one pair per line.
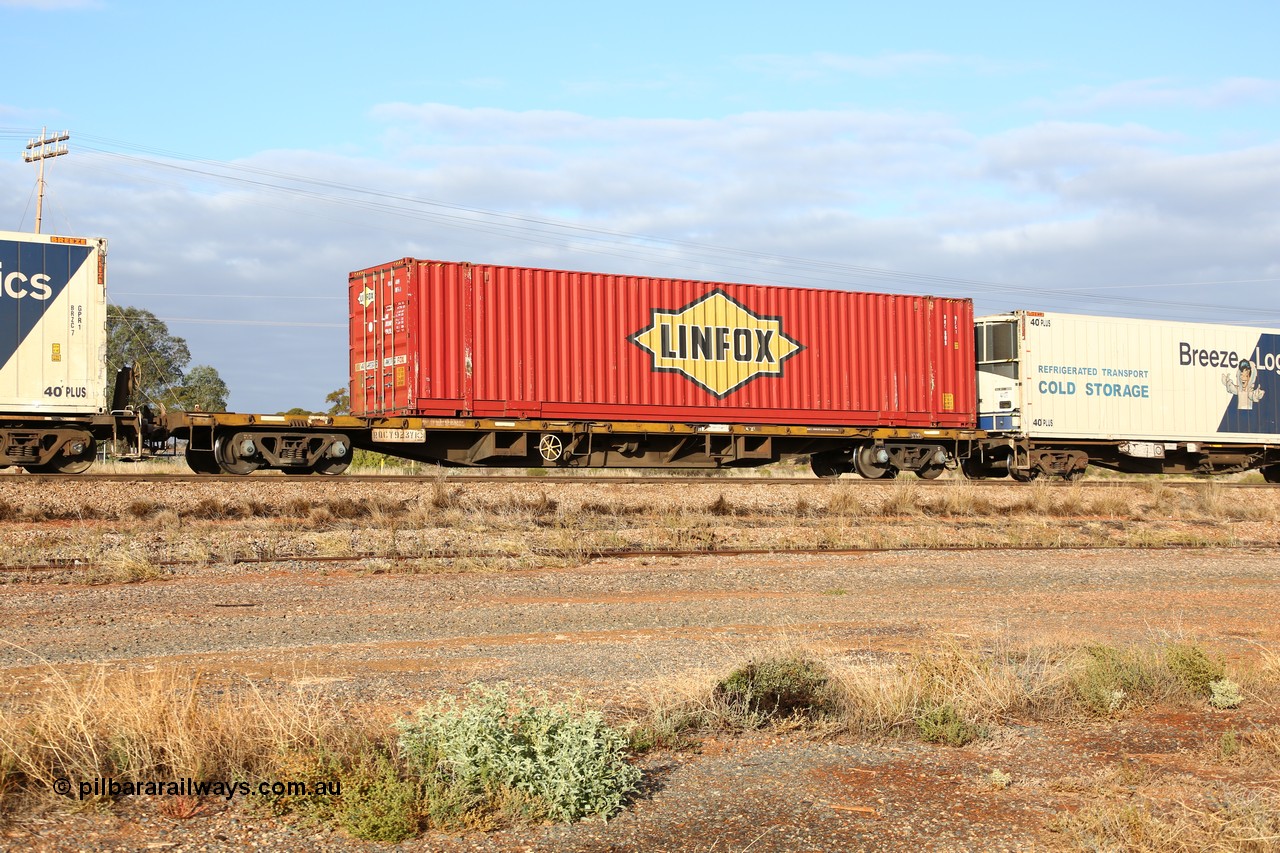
(717,342)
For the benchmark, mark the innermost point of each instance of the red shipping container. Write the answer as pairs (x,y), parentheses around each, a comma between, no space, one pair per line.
(437,338)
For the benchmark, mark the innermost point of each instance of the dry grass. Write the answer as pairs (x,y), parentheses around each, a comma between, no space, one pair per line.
(904,500)
(1130,809)
(846,501)
(951,686)
(156,725)
(124,565)
(951,694)
(165,726)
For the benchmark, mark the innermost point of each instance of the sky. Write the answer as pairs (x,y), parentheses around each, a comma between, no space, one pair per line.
(243,158)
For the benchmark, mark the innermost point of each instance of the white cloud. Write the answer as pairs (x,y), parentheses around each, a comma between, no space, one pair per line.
(1051,205)
(1046,155)
(1163,93)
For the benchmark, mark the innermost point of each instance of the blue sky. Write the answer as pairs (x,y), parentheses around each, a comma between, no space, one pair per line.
(1101,158)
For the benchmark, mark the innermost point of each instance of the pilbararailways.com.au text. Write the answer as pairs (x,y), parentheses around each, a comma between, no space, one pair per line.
(228,790)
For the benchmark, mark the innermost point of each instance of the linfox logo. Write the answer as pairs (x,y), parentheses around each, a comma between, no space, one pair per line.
(14,281)
(717,342)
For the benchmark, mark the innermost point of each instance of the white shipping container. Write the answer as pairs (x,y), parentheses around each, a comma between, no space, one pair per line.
(52,324)
(1069,376)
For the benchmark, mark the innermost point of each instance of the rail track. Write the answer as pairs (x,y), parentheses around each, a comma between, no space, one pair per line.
(75,564)
(497,479)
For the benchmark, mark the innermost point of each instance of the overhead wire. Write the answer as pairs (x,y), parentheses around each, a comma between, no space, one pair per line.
(542,223)
(537,229)
(599,240)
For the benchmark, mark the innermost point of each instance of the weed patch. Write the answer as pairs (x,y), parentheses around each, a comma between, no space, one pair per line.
(1109,679)
(777,687)
(943,724)
(492,758)
(1193,668)
(500,752)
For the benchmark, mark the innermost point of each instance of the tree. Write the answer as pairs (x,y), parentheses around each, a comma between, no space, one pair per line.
(341,400)
(203,390)
(136,336)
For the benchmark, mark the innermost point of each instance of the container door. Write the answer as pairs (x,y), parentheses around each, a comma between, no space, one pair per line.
(380,366)
(365,376)
(997,347)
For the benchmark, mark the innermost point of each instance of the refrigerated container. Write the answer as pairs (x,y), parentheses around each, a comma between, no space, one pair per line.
(52,324)
(1065,376)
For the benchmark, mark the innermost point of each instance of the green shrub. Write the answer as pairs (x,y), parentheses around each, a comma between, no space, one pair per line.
(1111,679)
(1194,669)
(1229,744)
(671,727)
(376,804)
(944,724)
(777,687)
(501,753)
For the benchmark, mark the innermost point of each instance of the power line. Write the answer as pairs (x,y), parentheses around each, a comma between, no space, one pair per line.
(608,241)
(226,295)
(278,323)
(740,263)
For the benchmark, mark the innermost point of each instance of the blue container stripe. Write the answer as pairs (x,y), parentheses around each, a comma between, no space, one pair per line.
(1254,391)
(21,264)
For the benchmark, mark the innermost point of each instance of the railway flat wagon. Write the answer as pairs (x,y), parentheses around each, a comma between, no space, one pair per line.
(1063,390)
(444,340)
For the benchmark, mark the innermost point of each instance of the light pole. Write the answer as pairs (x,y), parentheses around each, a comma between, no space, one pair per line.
(42,149)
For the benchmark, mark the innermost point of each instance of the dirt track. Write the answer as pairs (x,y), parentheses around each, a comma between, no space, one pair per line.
(616,630)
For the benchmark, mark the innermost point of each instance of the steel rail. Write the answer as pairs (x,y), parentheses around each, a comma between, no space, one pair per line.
(594,480)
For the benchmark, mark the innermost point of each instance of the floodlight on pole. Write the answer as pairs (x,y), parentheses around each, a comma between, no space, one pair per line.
(40,150)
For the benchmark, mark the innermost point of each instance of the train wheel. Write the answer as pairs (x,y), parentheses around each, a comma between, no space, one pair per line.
(333,465)
(68,460)
(1024,476)
(930,472)
(202,461)
(868,462)
(1271,473)
(71,462)
(823,467)
(233,458)
(297,472)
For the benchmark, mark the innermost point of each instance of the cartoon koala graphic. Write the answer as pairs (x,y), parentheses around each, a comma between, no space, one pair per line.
(1243,383)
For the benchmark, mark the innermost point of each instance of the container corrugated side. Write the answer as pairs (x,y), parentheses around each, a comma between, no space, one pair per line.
(431,337)
(1116,378)
(52,324)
